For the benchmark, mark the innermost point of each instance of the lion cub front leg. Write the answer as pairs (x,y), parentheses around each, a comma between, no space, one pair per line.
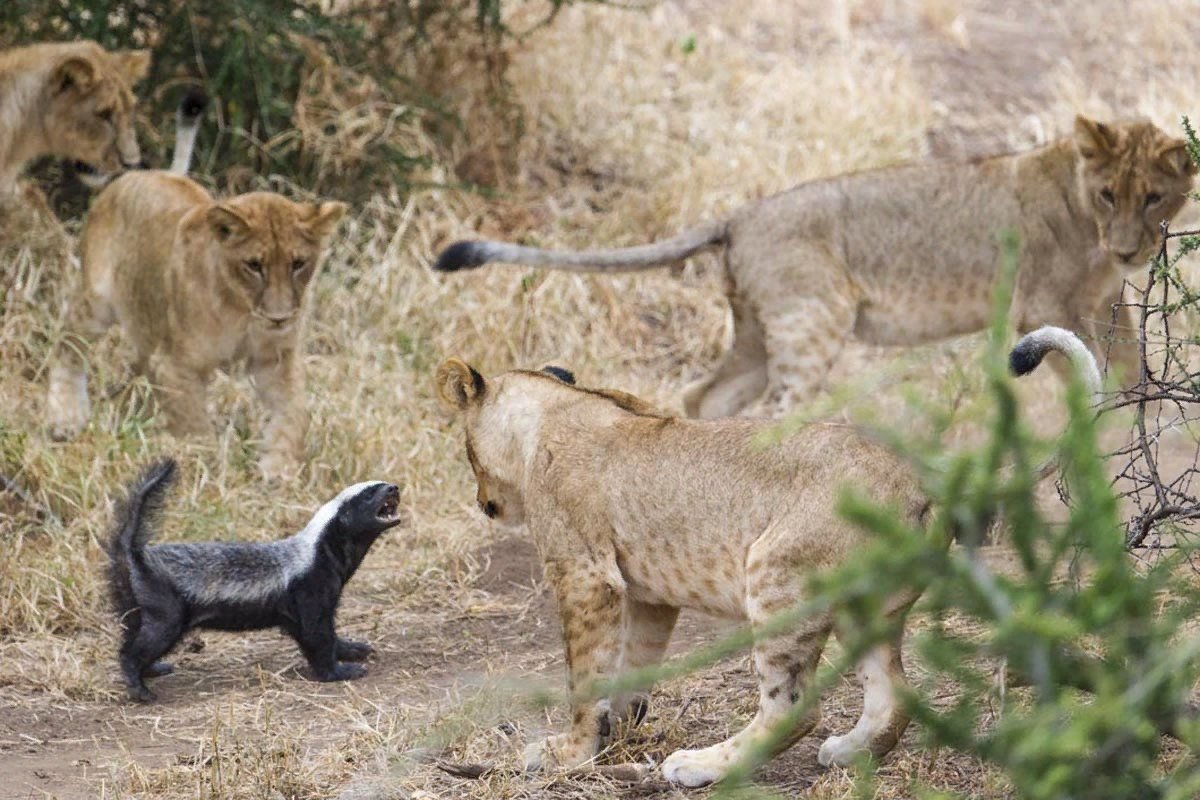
(181,391)
(280,383)
(590,601)
(67,404)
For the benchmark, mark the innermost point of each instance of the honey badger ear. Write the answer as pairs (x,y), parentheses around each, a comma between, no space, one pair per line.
(458,384)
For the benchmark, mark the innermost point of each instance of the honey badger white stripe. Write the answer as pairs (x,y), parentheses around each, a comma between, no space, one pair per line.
(211,573)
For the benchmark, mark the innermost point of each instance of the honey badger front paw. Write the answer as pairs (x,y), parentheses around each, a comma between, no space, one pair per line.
(350,650)
(343,672)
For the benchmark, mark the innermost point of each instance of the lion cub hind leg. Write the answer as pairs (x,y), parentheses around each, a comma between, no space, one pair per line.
(67,404)
(805,329)
(883,721)
(785,665)
(742,375)
(591,599)
(648,631)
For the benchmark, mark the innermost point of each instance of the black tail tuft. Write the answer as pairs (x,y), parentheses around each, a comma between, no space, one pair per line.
(1026,356)
(194,101)
(461,255)
(135,518)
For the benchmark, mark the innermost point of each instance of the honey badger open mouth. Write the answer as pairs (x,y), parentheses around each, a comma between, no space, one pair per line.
(389,510)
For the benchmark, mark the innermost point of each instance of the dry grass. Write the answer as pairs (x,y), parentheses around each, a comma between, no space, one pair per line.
(628,137)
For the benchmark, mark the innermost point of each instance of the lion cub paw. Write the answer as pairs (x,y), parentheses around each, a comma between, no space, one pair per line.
(562,751)
(694,768)
(840,751)
(278,466)
(67,405)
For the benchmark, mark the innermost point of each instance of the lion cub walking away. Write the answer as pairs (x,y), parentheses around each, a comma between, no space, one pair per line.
(162,591)
(636,515)
(910,254)
(195,285)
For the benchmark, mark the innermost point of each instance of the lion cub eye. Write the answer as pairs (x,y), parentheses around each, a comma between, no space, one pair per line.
(1106,197)
(298,264)
(105,116)
(1153,199)
(255,266)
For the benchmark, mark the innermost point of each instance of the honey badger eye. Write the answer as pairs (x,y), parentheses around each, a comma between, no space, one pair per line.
(255,266)
(1153,199)
(1106,196)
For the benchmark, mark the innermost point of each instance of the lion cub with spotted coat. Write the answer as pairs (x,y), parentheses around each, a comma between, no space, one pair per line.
(636,514)
(909,254)
(196,284)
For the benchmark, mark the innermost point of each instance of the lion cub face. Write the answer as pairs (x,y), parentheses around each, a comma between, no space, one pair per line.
(267,249)
(90,109)
(1133,177)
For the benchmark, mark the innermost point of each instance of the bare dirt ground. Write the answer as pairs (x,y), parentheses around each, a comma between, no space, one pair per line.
(465,633)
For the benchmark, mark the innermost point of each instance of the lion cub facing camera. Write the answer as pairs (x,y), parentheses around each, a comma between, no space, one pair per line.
(196,284)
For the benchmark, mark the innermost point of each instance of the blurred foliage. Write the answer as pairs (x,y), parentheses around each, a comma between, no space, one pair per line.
(1104,644)
(342,97)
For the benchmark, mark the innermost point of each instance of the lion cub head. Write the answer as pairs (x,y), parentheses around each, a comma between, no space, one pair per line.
(1133,177)
(264,250)
(502,417)
(88,108)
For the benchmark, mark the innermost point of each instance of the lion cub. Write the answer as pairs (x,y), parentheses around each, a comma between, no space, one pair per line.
(636,515)
(910,254)
(71,100)
(196,284)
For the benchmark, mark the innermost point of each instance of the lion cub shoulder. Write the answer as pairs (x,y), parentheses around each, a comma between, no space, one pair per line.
(195,284)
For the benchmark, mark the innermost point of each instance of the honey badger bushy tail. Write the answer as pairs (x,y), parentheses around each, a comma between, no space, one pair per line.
(471,254)
(135,519)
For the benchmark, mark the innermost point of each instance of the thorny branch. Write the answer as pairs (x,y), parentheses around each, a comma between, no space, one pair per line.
(1166,400)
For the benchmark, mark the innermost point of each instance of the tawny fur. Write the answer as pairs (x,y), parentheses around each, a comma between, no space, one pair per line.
(196,285)
(69,100)
(637,514)
(910,254)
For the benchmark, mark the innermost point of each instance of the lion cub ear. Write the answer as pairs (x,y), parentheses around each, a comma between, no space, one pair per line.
(458,384)
(76,72)
(1093,139)
(133,64)
(226,223)
(1173,158)
(325,218)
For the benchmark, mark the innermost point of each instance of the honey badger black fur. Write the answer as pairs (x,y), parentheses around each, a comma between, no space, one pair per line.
(162,591)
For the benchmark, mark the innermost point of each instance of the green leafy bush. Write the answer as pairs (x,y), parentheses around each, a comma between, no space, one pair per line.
(345,104)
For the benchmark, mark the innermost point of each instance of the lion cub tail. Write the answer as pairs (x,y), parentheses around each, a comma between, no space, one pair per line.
(471,254)
(1028,353)
(187,122)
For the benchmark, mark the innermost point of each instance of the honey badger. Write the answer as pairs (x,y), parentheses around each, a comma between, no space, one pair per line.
(162,591)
